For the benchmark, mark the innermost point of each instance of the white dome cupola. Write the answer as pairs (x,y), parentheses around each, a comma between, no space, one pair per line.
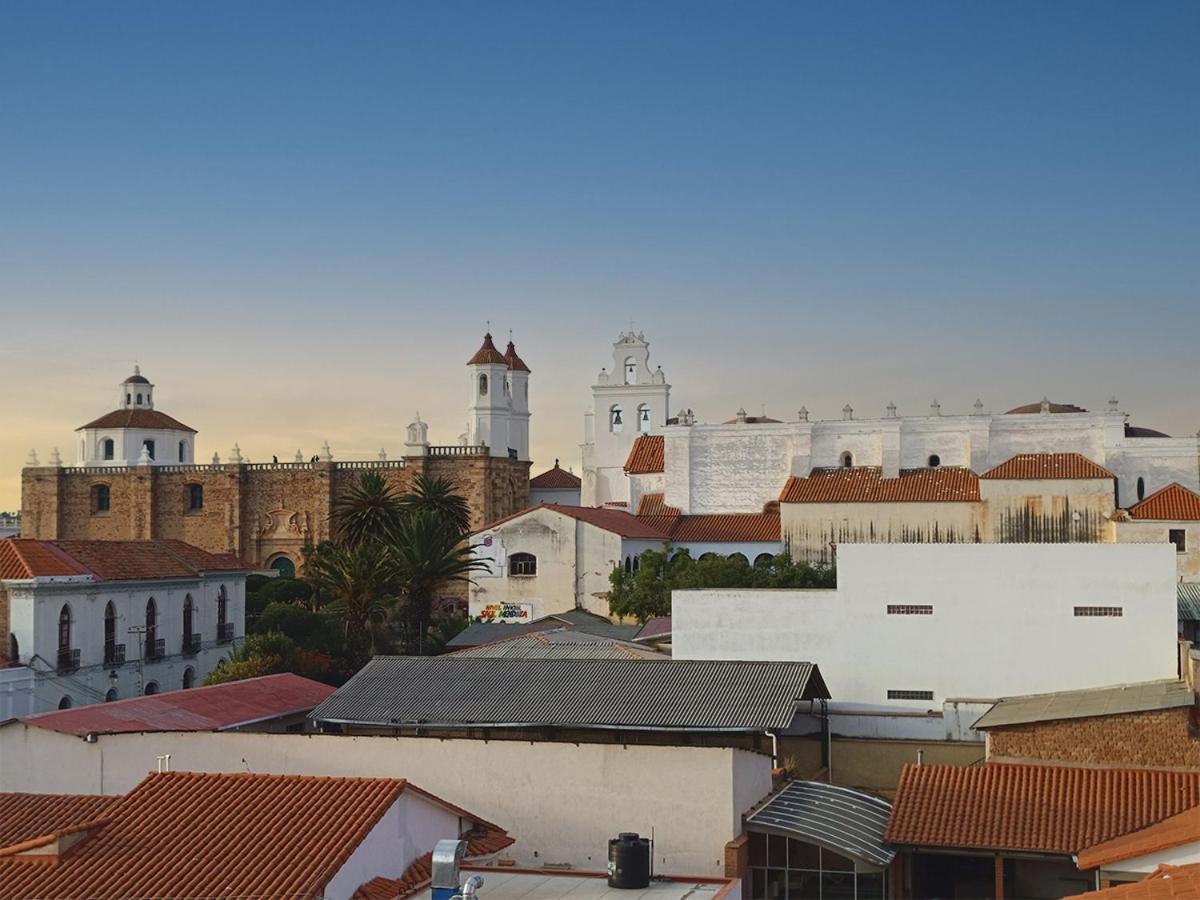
(136,391)
(135,433)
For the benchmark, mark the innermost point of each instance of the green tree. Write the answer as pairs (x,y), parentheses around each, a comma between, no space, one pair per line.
(439,497)
(646,592)
(370,510)
(361,582)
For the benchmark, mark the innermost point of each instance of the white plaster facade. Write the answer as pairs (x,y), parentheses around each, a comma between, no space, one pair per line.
(629,400)
(498,409)
(36,604)
(561,801)
(139,439)
(1001,620)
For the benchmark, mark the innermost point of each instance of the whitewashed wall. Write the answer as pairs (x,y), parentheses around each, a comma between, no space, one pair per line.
(562,802)
(1003,620)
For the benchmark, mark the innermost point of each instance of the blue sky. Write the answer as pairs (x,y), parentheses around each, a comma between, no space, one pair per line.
(298,217)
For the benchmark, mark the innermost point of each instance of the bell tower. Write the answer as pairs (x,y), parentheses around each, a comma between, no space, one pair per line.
(490,409)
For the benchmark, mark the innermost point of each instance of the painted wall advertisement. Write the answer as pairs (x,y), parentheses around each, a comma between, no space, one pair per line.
(507,612)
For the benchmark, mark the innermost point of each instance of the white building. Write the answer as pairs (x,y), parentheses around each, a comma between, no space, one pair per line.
(93,621)
(557,485)
(550,559)
(498,410)
(930,627)
(135,432)
(630,400)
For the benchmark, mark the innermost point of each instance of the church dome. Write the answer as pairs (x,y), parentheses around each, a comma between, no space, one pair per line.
(1037,408)
(137,378)
(1135,431)
(487,354)
(514,362)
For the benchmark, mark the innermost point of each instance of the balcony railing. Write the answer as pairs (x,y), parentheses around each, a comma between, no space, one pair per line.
(114,654)
(156,649)
(68,660)
(225,632)
(191,644)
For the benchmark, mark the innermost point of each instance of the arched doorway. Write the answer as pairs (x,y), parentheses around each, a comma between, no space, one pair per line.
(284,566)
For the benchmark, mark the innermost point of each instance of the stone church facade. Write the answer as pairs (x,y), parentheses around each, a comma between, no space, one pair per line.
(127,488)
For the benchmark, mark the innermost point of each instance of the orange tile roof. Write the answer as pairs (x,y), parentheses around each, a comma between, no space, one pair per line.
(618,521)
(1174,503)
(515,363)
(866,484)
(748,527)
(487,354)
(187,834)
(23,816)
(1183,828)
(481,843)
(136,418)
(656,505)
(647,455)
(112,560)
(1049,809)
(1164,883)
(1048,466)
(556,479)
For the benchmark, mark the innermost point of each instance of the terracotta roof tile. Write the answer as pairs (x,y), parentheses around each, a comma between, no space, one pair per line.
(1048,466)
(515,363)
(1164,883)
(23,816)
(617,521)
(748,527)
(210,708)
(1173,831)
(112,560)
(1051,809)
(655,505)
(186,834)
(648,455)
(487,354)
(137,418)
(556,479)
(1174,503)
(866,484)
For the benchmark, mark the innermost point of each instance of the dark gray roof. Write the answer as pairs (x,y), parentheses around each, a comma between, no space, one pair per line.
(560,643)
(1189,601)
(577,619)
(1112,700)
(838,818)
(668,695)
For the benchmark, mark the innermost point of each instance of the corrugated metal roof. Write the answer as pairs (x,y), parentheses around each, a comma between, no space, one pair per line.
(1105,701)
(1189,601)
(669,695)
(866,484)
(838,818)
(560,643)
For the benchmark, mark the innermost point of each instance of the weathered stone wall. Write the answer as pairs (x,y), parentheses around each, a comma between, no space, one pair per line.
(260,511)
(1161,738)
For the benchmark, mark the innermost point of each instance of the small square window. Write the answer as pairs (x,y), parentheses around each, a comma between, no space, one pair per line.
(1178,537)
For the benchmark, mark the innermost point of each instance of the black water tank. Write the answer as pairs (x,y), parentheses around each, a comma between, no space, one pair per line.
(629,861)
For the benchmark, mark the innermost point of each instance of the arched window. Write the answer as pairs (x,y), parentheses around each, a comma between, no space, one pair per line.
(522,564)
(284,566)
(14,649)
(183,451)
(111,695)
(149,446)
(482,385)
(101,498)
(709,555)
(764,559)
(739,557)
(224,626)
(151,635)
(637,563)
(195,497)
(64,703)
(64,629)
(189,610)
(643,412)
(934,460)
(615,422)
(628,563)
(189,677)
(847,460)
(128,399)
(139,399)
(110,634)
(630,370)
(1141,489)
(151,688)
(108,449)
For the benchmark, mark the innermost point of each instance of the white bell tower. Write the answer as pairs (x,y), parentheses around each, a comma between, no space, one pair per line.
(490,409)
(518,393)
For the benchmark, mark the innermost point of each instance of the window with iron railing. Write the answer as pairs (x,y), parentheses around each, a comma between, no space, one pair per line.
(68,660)
(114,653)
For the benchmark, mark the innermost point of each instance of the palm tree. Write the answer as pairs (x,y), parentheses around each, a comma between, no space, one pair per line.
(438,496)
(370,510)
(361,580)
(426,556)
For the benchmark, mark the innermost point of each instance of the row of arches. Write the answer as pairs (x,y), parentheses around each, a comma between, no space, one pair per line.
(616,418)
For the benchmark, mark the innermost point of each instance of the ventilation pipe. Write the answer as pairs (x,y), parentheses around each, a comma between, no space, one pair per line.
(445,874)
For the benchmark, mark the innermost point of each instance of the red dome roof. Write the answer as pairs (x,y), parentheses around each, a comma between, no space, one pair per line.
(514,362)
(487,354)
